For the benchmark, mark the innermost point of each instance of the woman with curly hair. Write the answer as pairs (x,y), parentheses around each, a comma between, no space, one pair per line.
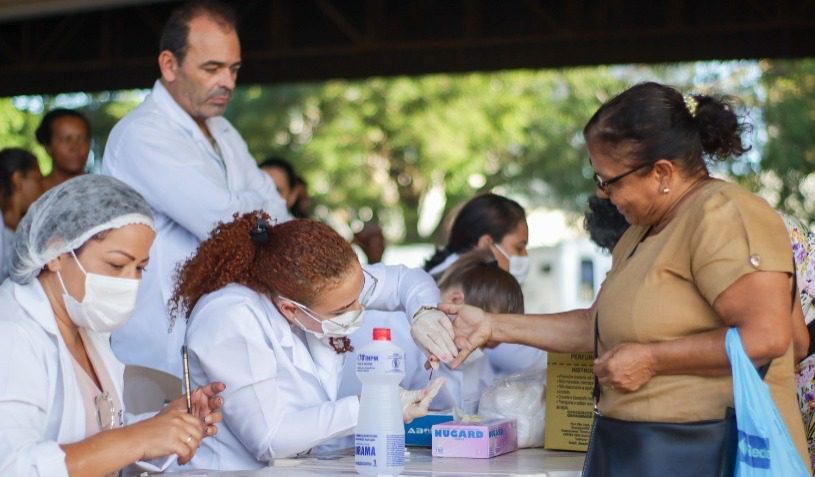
(270,309)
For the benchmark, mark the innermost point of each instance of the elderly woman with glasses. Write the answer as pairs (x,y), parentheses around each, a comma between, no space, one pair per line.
(701,255)
(76,264)
(270,309)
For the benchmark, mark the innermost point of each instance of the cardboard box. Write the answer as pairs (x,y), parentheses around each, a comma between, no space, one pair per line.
(480,440)
(569,403)
(418,433)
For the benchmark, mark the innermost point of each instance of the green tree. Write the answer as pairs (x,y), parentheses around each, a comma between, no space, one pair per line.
(789,113)
(383,142)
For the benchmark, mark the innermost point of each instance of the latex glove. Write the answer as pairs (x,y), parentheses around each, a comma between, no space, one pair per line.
(473,329)
(432,330)
(415,402)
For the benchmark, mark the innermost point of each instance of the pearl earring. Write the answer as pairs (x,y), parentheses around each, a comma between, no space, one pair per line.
(666,190)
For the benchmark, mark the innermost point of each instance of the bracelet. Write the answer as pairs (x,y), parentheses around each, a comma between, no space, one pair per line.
(421,310)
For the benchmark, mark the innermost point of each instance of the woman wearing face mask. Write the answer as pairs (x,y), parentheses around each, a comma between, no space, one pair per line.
(489,222)
(270,309)
(74,276)
(497,224)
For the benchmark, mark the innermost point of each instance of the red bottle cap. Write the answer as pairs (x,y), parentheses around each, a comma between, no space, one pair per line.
(382,334)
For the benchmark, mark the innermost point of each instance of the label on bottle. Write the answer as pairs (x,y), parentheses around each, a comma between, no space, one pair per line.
(379,450)
(392,363)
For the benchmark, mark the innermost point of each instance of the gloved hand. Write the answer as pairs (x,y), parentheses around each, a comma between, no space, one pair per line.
(415,402)
(432,330)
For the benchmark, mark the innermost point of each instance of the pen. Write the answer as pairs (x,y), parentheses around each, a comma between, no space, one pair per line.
(186,365)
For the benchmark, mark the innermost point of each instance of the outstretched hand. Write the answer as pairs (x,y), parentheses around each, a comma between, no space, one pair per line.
(432,331)
(472,327)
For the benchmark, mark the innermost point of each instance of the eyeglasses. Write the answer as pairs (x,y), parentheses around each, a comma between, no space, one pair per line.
(364,300)
(603,185)
(106,414)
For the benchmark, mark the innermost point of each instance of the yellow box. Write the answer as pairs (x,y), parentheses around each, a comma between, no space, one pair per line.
(569,405)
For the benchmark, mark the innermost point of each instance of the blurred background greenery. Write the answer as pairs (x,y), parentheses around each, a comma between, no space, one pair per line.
(405,150)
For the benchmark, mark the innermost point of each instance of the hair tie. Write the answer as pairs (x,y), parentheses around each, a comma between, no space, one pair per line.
(260,232)
(691,104)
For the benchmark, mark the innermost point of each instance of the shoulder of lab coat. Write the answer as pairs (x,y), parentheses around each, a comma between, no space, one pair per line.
(40,406)
(400,288)
(160,151)
(237,336)
(32,395)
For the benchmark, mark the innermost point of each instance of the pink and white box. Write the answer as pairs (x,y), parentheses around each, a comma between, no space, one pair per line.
(480,440)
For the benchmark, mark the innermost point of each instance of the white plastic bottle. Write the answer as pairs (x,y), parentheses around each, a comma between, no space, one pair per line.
(379,441)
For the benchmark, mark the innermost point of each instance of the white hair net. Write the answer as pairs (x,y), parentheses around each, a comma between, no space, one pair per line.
(65,217)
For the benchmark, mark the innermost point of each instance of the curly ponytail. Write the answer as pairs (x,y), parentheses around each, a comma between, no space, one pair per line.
(298,259)
(223,258)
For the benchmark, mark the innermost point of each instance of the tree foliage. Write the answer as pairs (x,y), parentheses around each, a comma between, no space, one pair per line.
(789,113)
(384,142)
(383,147)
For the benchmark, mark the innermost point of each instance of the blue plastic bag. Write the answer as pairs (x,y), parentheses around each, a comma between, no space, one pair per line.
(765,448)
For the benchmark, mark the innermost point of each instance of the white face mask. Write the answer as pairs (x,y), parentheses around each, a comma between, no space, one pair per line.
(344,324)
(518,265)
(108,304)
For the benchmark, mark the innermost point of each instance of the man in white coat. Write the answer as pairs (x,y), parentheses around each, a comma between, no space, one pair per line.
(191,165)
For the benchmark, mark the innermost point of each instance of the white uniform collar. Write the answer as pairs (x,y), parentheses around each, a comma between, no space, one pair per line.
(440,268)
(34,301)
(166,102)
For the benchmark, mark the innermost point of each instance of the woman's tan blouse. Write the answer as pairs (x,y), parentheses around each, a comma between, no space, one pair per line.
(666,288)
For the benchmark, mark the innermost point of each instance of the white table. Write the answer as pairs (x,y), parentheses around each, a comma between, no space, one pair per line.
(524,462)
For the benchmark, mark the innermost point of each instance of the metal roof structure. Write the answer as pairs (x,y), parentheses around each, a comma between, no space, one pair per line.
(51,46)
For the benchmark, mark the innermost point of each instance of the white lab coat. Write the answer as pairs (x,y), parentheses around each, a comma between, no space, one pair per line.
(160,151)
(399,324)
(281,383)
(40,400)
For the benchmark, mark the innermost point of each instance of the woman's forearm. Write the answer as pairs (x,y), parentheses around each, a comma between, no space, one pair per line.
(101,454)
(567,332)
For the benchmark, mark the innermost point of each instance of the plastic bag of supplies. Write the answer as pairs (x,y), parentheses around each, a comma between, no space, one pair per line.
(519,396)
(765,448)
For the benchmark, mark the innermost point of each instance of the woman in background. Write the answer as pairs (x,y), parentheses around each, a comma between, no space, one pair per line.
(66,136)
(20,186)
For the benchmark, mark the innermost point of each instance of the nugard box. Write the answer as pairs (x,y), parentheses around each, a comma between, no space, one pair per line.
(418,433)
(569,403)
(480,440)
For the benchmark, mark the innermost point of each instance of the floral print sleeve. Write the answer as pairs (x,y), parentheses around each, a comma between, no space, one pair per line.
(803,250)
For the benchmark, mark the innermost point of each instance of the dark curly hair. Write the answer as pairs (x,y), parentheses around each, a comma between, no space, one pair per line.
(651,121)
(297,259)
(604,223)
